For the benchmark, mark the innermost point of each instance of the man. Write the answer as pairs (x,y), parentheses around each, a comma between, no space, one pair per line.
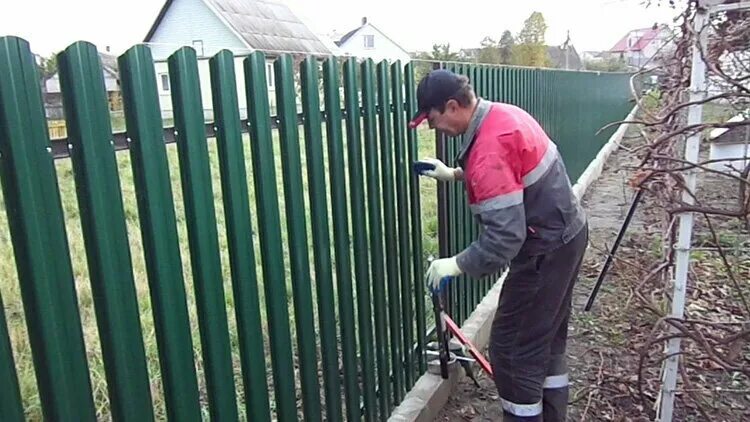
(520,194)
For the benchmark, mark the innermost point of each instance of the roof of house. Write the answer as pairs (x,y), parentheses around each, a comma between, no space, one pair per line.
(109,64)
(469,52)
(267,25)
(348,35)
(715,133)
(734,135)
(557,57)
(649,34)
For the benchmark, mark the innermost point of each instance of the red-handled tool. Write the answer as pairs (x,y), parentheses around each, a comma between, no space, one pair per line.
(445,324)
(453,328)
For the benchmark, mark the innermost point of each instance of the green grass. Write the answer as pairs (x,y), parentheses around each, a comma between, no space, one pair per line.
(9,286)
(718,112)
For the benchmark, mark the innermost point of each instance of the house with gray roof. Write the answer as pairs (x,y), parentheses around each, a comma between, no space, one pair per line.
(564,57)
(241,26)
(53,95)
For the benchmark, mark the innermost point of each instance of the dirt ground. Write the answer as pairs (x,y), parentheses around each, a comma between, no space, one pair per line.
(605,344)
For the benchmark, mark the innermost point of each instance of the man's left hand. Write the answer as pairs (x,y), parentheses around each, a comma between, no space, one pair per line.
(439,269)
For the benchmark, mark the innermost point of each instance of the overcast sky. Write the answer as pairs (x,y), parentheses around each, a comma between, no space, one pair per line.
(51,25)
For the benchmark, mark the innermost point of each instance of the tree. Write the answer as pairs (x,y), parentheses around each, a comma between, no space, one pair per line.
(47,66)
(506,47)
(534,28)
(442,52)
(531,50)
(490,51)
(612,64)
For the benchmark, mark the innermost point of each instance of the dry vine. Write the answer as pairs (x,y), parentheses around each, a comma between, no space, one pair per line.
(662,173)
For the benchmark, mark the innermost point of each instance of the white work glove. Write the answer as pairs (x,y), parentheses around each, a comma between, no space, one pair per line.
(440,172)
(441,269)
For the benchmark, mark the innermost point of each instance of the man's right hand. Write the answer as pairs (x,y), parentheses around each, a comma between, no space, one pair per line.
(440,172)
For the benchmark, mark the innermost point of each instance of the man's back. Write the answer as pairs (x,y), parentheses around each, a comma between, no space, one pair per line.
(511,155)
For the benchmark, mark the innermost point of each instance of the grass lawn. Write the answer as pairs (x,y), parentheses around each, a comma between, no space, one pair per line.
(11,296)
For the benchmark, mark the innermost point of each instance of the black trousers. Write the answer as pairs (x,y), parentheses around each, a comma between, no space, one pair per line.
(530,330)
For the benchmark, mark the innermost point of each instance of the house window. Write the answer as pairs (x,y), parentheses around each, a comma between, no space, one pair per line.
(269,75)
(369,41)
(164,78)
(198,46)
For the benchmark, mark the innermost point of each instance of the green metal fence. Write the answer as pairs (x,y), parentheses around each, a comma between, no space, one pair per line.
(317,312)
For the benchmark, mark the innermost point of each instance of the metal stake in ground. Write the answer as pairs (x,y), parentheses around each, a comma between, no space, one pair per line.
(611,256)
(441,331)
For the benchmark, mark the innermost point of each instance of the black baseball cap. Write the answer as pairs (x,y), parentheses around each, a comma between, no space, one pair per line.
(433,91)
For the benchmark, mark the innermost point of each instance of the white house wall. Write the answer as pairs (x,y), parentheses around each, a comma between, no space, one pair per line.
(658,44)
(383,47)
(729,151)
(52,85)
(189,20)
(110,83)
(165,98)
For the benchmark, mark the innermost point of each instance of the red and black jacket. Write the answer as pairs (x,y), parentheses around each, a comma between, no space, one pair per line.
(517,187)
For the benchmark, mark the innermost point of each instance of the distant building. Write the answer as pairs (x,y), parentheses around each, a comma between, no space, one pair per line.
(640,47)
(564,57)
(241,26)
(367,41)
(732,145)
(53,96)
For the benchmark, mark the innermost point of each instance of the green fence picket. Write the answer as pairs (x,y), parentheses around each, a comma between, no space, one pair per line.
(105,232)
(377,276)
(486,82)
(205,261)
(415,220)
(343,269)
(321,238)
(464,283)
(269,224)
(11,407)
(159,231)
(389,226)
(459,286)
(239,234)
(37,229)
(404,247)
(297,235)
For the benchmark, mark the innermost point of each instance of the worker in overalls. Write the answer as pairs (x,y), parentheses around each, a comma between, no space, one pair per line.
(521,196)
